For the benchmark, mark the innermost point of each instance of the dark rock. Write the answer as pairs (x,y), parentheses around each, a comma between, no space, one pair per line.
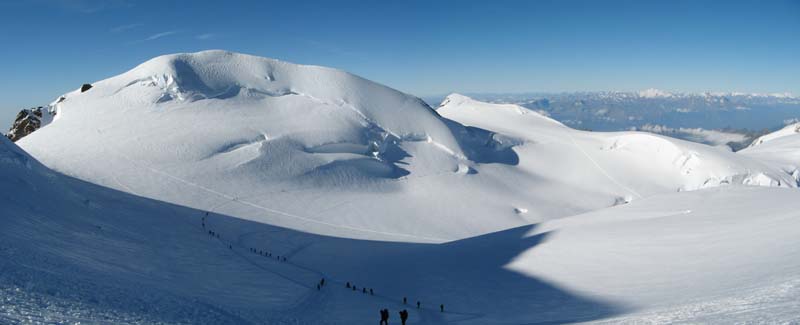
(27,121)
(86,87)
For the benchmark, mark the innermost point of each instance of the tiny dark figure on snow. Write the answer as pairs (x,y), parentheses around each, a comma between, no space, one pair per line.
(363,290)
(322,282)
(354,288)
(348,284)
(418,304)
(318,287)
(441,307)
(405,300)
(403,316)
(371,293)
(384,317)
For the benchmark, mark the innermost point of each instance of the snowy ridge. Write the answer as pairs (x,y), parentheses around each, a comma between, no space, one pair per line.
(620,157)
(222,75)
(792,129)
(780,149)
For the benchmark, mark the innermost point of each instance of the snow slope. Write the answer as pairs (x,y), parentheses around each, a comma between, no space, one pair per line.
(320,150)
(94,255)
(74,252)
(789,130)
(781,149)
(723,255)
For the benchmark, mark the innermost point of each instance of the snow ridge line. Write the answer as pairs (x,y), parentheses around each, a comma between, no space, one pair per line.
(601,169)
(274,211)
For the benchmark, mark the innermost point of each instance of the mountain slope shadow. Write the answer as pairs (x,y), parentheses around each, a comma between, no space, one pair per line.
(468,276)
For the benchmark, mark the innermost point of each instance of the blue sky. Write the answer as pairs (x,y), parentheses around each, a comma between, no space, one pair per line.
(422,47)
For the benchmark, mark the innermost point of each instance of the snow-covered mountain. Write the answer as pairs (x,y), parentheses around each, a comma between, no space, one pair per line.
(638,163)
(501,214)
(322,150)
(203,129)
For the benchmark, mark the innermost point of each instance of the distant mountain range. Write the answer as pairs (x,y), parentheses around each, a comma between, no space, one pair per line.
(748,114)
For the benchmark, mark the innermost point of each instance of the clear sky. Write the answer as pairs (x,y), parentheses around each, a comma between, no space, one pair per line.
(422,47)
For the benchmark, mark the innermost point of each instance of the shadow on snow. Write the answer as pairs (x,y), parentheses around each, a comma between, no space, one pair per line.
(468,276)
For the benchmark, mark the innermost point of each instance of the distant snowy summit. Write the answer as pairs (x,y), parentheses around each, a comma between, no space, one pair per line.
(654,93)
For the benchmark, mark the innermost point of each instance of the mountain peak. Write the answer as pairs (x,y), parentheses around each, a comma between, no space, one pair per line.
(654,93)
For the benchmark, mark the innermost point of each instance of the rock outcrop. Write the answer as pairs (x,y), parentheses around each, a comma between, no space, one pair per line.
(29,120)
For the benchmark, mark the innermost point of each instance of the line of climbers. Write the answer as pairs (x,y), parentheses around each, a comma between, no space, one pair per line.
(267,254)
(363,289)
(384,312)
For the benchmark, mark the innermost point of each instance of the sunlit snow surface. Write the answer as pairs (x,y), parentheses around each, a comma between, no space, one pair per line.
(501,214)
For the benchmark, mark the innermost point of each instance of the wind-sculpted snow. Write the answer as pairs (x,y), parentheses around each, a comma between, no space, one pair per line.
(225,75)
